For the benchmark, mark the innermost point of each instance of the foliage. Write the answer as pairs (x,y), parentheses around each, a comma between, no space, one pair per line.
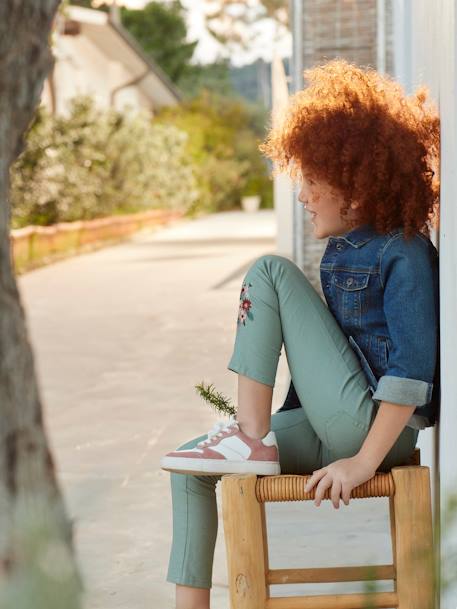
(214,76)
(234,22)
(442,557)
(45,576)
(447,575)
(96,162)
(161,31)
(215,399)
(223,143)
(83,3)
(198,157)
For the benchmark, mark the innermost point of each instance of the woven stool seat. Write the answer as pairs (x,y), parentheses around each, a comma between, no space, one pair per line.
(291,488)
(412,571)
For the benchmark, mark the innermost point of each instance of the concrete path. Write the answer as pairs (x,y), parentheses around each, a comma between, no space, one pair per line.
(121,336)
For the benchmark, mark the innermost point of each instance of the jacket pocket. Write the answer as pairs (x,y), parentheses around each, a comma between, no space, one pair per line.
(351,296)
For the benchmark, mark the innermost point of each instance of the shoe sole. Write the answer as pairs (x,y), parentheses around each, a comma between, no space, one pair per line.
(201,467)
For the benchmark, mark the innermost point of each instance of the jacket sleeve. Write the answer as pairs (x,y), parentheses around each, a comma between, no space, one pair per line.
(409,276)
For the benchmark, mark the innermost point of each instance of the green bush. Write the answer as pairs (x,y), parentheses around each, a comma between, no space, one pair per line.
(94,163)
(224,134)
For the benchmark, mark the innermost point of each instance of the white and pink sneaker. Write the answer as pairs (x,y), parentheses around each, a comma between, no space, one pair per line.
(227,450)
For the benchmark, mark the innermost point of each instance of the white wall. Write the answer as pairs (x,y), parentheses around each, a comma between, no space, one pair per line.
(446,44)
(282,186)
(82,69)
(425,52)
(414,62)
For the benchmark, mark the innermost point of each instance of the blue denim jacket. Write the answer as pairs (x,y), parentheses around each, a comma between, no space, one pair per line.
(384,293)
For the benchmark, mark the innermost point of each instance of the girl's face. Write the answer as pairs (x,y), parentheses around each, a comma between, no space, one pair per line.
(324,204)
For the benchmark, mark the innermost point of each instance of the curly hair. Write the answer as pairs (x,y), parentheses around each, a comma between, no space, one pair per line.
(357,130)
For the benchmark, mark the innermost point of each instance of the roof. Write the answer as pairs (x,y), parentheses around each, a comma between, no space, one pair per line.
(116,42)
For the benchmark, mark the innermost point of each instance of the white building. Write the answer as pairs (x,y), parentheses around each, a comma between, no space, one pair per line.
(95,55)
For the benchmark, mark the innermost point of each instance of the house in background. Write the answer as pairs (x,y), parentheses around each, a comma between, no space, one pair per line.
(95,55)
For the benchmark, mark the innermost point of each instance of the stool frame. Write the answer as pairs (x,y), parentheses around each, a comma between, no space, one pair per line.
(411,529)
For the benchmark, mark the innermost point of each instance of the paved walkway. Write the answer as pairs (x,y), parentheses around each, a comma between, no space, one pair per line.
(121,336)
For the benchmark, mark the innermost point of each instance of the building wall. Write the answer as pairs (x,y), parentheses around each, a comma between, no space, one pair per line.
(337,28)
(81,69)
(430,58)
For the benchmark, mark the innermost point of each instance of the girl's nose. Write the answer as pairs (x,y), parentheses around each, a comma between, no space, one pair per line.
(302,197)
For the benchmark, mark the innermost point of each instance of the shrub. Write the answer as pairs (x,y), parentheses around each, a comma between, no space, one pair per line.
(93,163)
(224,134)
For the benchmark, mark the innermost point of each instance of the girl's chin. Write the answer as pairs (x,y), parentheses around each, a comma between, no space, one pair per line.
(319,232)
(316,231)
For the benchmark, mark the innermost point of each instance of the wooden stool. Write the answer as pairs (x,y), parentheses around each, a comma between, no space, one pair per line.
(243,509)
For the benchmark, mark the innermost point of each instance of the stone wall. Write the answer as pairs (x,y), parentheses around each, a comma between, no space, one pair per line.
(35,246)
(338,28)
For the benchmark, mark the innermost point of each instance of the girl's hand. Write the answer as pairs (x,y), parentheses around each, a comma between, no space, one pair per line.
(342,475)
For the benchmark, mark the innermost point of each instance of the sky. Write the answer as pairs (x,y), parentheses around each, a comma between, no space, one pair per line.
(208,49)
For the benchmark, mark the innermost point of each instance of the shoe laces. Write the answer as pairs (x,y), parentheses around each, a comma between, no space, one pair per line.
(219,428)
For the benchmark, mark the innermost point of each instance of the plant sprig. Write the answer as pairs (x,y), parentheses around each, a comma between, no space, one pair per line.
(216,400)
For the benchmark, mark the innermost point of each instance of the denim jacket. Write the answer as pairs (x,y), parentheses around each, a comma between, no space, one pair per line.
(384,293)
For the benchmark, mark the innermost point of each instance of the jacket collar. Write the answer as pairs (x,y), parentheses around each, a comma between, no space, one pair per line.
(361,234)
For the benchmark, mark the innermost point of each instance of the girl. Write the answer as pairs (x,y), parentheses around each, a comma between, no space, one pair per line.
(363,364)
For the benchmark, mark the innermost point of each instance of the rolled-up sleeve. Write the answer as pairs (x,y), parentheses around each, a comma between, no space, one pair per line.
(408,274)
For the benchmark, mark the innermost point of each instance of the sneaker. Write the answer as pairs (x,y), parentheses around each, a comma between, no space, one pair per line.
(227,450)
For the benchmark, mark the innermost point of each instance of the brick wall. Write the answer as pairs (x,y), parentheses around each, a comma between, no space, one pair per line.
(339,28)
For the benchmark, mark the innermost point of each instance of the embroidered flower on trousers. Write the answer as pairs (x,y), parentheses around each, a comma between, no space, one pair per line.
(244,311)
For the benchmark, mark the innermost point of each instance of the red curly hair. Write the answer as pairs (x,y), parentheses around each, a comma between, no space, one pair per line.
(357,130)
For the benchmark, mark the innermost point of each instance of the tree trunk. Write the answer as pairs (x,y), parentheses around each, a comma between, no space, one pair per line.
(37,563)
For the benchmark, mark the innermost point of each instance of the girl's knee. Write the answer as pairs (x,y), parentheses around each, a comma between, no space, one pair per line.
(272,265)
(269,259)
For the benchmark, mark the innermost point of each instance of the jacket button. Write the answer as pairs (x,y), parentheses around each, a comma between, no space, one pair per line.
(349,281)
(339,246)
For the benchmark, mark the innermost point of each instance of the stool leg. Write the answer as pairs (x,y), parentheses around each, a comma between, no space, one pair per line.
(246,543)
(413,537)
(266,564)
(392,535)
